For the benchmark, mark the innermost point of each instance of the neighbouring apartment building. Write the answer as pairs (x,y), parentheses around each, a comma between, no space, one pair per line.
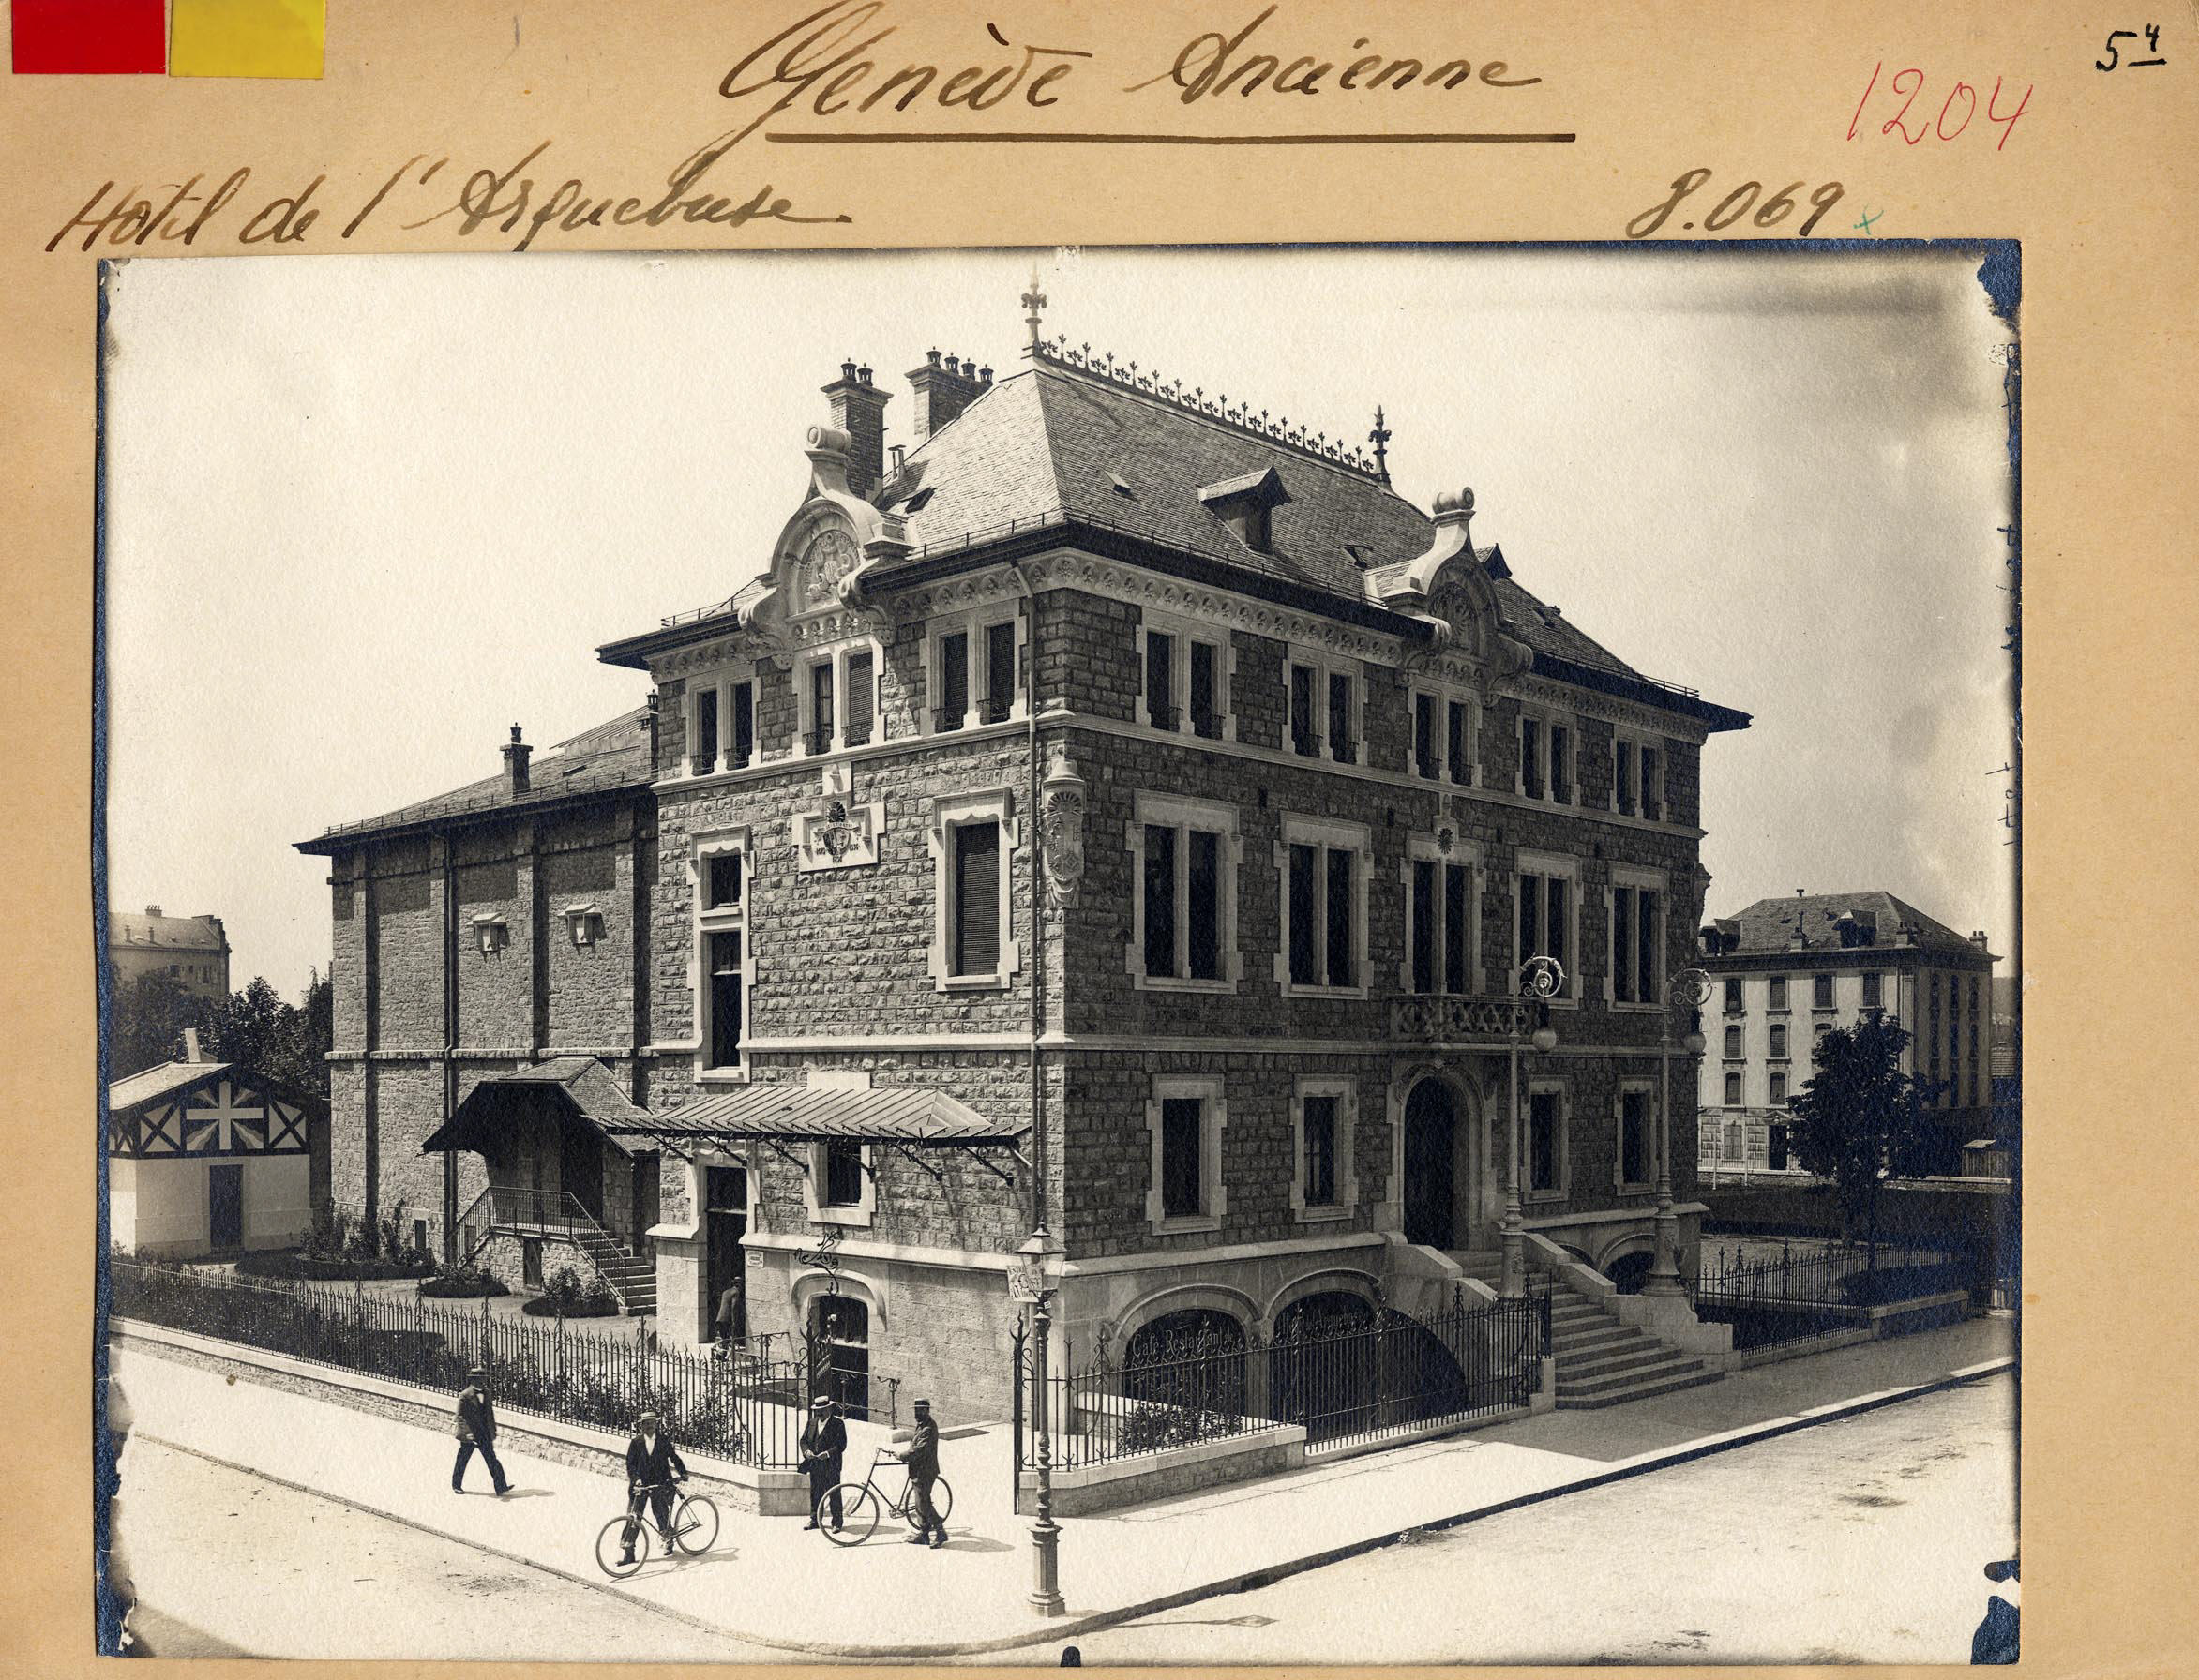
(1787,970)
(1102,764)
(192,950)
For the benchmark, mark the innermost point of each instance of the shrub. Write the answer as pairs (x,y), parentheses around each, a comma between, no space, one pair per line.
(1155,1428)
(464,1280)
(565,1294)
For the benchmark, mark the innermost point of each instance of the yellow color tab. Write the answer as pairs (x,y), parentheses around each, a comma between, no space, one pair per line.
(247,37)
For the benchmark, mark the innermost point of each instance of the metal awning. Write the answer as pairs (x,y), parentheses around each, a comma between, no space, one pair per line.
(906,1114)
(565,1086)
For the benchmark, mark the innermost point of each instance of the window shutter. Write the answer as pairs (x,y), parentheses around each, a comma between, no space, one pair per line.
(862,696)
(1000,669)
(1645,948)
(1305,937)
(705,756)
(1341,955)
(1160,679)
(954,696)
(1302,730)
(1454,927)
(1160,900)
(1622,944)
(1423,734)
(743,723)
(1203,896)
(977,899)
(1531,906)
(1457,746)
(1203,715)
(1424,931)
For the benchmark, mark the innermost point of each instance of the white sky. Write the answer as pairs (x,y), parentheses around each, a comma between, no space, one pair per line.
(364,513)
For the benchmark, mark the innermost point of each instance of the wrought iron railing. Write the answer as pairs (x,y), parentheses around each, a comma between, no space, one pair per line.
(553,1215)
(1349,1372)
(1772,1296)
(749,1408)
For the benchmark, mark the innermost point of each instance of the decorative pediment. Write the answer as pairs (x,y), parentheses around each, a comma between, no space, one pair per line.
(223,1118)
(1448,590)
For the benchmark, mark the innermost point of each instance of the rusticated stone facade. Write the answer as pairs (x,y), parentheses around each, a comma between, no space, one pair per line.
(1219,1130)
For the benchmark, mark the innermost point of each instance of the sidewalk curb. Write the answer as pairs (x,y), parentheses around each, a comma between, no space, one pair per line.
(1246,1581)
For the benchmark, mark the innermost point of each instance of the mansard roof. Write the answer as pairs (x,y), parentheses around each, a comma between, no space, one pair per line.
(1767,927)
(1058,445)
(611,758)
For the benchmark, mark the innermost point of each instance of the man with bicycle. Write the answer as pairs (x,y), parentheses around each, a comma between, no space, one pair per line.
(922,1457)
(652,1465)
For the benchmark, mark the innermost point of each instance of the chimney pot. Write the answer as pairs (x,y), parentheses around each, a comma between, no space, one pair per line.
(985,376)
(515,763)
(932,356)
(152,909)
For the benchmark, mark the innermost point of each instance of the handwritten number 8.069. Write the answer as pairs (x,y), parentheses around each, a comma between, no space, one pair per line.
(1736,204)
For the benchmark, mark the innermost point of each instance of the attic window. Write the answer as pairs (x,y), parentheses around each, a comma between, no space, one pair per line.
(1357,553)
(1243,504)
(1122,486)
(915,502)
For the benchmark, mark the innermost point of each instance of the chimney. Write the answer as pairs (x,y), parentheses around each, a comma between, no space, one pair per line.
(190,1046)
(653,722)
(515,763)
(1978,939)
(859,408)
(152,909)
(943,391)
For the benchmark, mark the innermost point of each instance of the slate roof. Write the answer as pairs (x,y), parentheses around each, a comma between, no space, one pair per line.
(1767,925)
(1053,440)
(179,933)
(162,1081)
(591,1091)
(608,758)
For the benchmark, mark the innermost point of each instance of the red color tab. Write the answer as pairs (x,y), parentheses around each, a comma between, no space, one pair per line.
(90,37)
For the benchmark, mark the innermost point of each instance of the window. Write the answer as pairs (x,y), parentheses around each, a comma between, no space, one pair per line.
(1635,930)
(970,668)
(836,696)
(1427,752)
(1821,991)
(1874,991)
(1545,900)
(1546,759)
(1546,1142)
(1779,1041)
(1778,1090)
(970,838)
(1635,1145)
(843,1175)
(1733,1002)
(1732,1087)
(721,726)
(1443,738)
(1733,1050)
(1185,854)
(1186,678)
(1736,1141)
(1342,747)
(1777,991)
(1322,1186)
(1322,697)
(1458,741)
(1324,906)
(1185,1118)
(1637,778)
(723,957)
(1439,883)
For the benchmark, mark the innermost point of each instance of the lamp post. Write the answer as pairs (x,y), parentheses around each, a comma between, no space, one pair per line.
(1690,989)
(1046,1533)
(1541,979)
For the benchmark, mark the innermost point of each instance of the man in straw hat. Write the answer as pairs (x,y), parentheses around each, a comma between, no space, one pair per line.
(652,1465)
(825,1439)
(476,1432)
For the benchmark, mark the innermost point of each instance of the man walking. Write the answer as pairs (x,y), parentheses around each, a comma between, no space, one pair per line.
(825,1439)
(922,1456)
(476,1432)
(653,1463)
(727,1318)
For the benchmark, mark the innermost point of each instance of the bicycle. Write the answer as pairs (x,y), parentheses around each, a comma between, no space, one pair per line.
(860,1502)
(694,1531)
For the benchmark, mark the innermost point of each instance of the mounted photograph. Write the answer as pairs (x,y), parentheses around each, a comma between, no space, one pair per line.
(1304,954)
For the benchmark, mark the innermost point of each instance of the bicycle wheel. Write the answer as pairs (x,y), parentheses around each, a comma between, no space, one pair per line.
(858,1514)
(611,1543)
(695,1525)
(943,1501)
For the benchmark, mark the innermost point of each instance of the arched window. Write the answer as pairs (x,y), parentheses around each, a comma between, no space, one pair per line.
(1192,1360)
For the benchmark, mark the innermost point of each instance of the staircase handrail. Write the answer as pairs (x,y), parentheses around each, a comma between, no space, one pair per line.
(544,1209)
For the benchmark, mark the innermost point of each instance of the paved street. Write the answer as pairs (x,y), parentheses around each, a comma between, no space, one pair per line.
(227,1561)
(1858,1541)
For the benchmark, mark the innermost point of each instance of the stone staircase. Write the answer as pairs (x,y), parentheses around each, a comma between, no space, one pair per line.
(1601,1362)
(632,1276)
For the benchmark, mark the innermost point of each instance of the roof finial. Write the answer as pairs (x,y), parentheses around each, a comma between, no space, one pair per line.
(1033,300)
(1380,438)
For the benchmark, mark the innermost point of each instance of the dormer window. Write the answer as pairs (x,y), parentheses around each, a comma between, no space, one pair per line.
(1243,504)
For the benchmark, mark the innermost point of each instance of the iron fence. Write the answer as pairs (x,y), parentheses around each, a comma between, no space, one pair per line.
(1775,1295)
(1347,1370)
(746,1407)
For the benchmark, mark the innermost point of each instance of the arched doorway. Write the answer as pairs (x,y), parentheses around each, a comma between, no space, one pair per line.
(1321,1365)
(1431,1157)
(1191,1360)
(840,1352)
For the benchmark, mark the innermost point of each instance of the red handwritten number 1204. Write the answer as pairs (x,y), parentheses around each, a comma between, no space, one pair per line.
(1959,108)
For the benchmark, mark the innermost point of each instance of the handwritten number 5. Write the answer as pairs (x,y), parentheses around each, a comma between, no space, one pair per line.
(1650,220)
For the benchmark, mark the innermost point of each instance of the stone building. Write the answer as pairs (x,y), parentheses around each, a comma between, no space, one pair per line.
(1787,970)
(192,950)
(1103,783)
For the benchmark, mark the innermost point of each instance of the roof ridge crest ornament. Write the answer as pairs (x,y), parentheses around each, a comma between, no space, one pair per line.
(1082,358)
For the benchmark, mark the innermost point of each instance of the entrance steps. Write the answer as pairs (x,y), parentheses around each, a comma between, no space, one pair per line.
(634,1278)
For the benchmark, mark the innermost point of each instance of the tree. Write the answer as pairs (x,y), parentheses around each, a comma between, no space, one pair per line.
(1861,1120)
(288,1043)
(146,1020)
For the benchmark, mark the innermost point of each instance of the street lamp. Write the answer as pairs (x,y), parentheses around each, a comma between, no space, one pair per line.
(1690,989)
(1031,1282)
(1541,979)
